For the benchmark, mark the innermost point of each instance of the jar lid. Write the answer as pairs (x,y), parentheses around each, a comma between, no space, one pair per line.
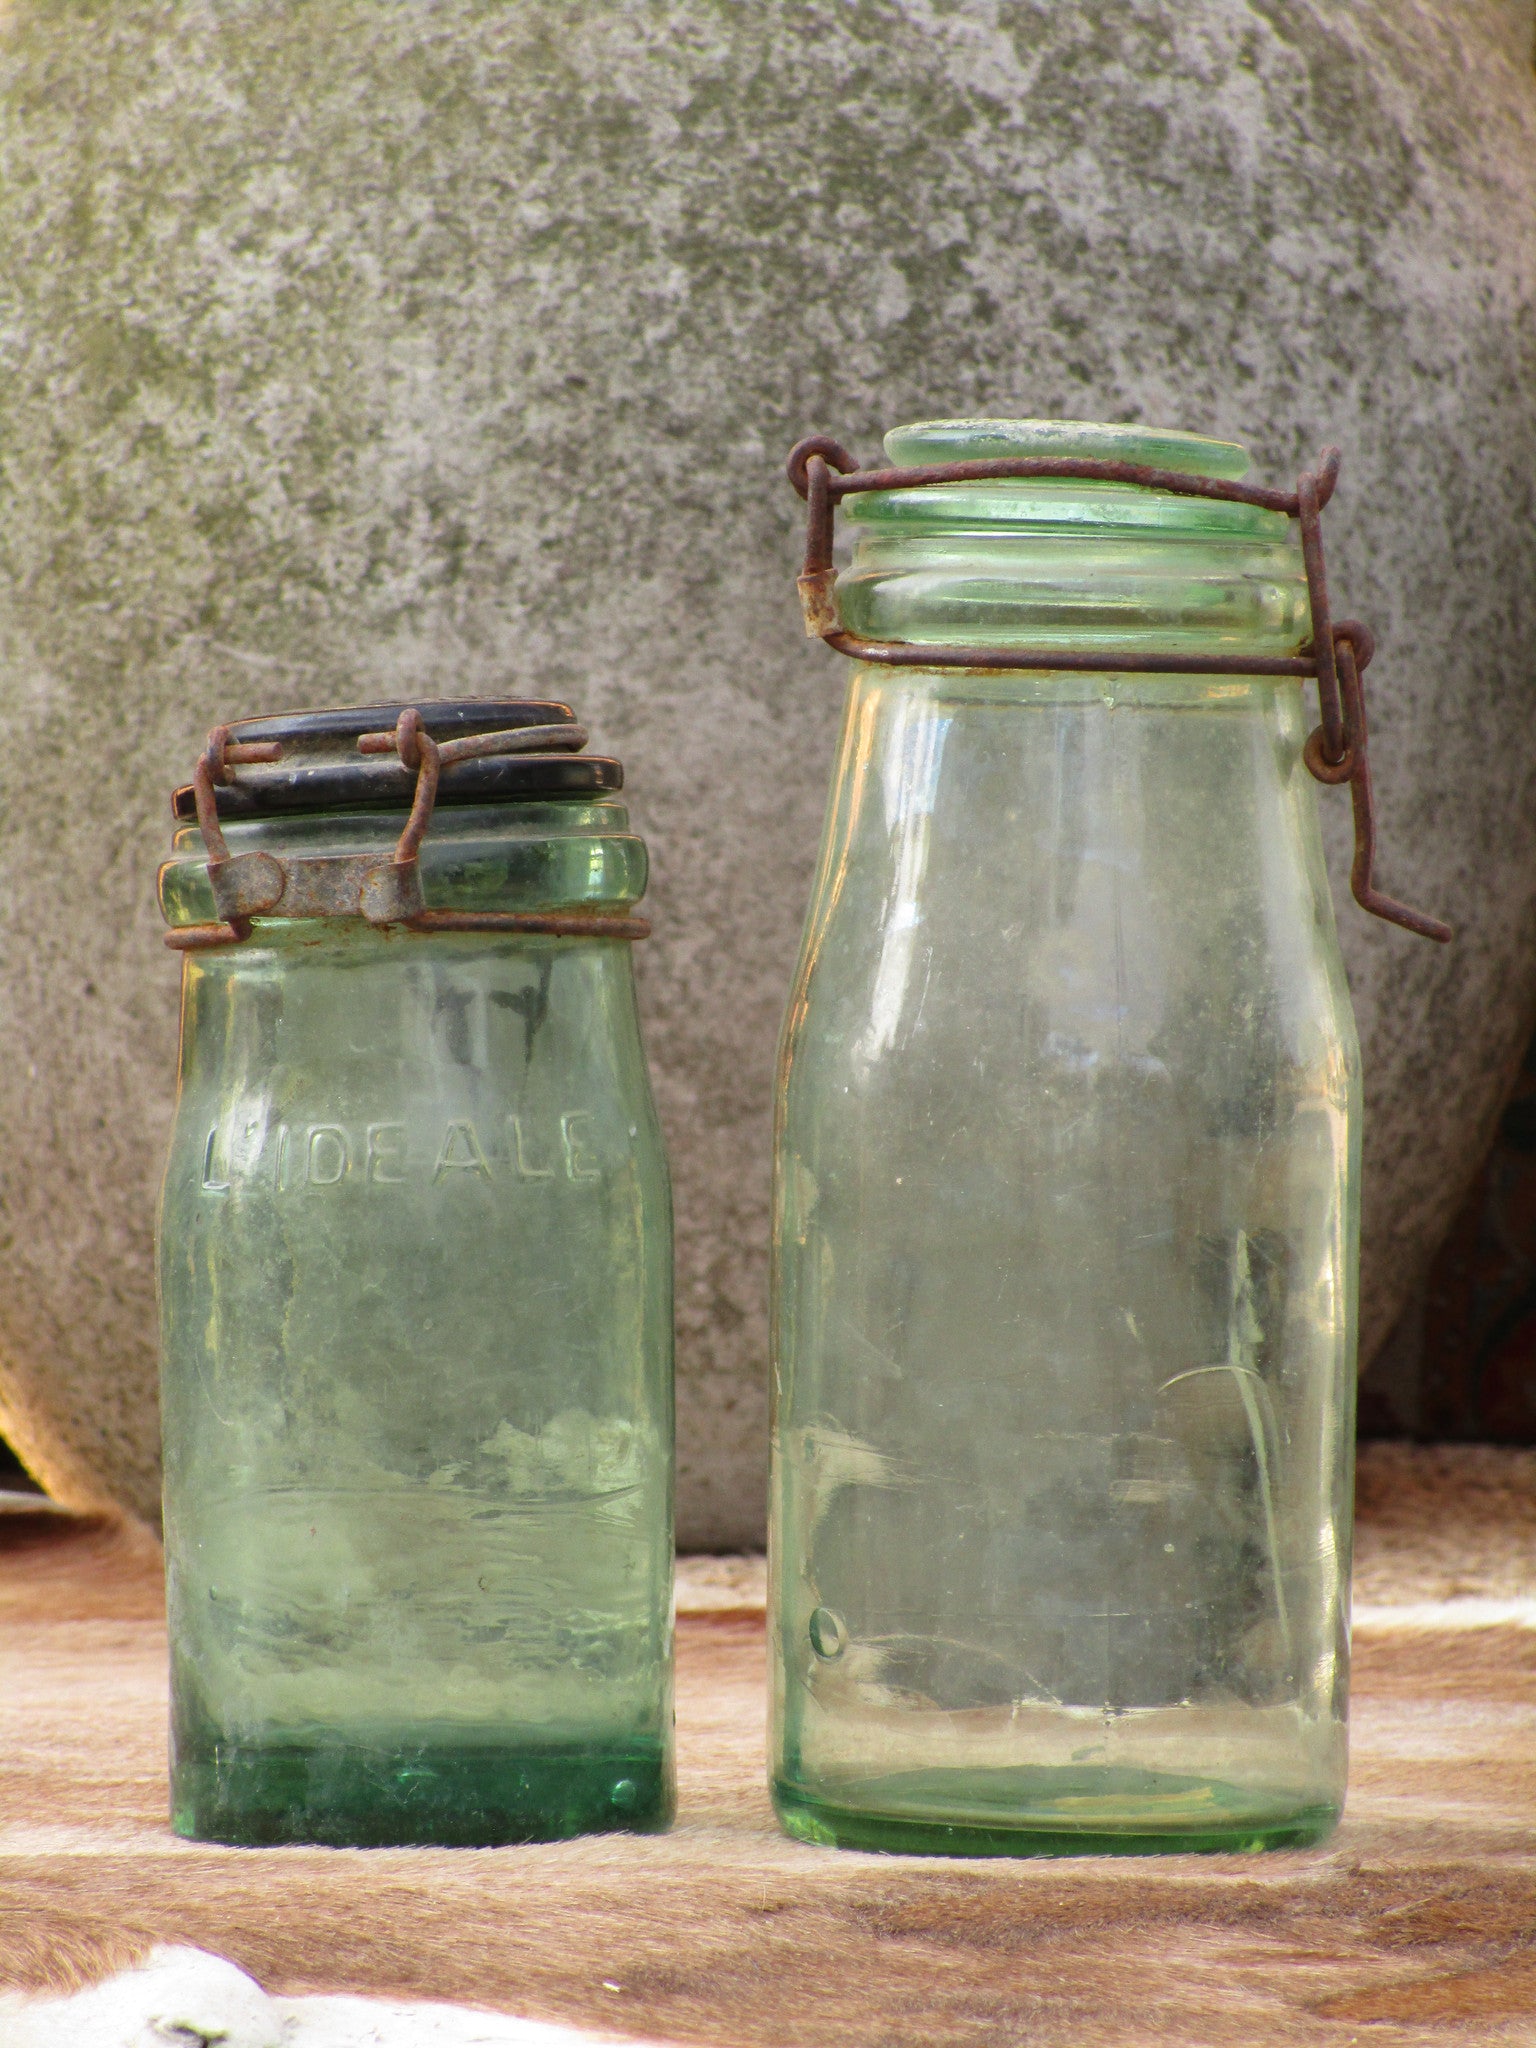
(1069,507)
(320,768)
(1103,441)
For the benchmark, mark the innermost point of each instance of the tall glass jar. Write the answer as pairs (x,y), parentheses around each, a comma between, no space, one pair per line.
(415,1282)
(1065,1213)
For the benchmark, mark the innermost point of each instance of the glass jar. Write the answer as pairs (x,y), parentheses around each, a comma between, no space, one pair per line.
(1066,1172)
(415,1284)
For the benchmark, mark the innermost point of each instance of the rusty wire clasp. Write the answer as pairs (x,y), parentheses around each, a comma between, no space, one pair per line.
(381,891)
(389,892)
(824,472)
(235,878)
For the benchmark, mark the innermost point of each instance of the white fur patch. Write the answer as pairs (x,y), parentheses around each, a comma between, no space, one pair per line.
(182,1998)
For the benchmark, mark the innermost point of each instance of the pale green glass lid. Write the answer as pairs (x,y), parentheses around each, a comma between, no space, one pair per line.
(1060,505)
(928,441)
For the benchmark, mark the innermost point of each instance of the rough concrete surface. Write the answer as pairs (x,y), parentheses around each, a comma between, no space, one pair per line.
(349,351)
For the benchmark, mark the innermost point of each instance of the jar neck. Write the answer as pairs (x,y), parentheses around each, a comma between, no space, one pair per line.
(533,857)
(1080,564)
(1077,567)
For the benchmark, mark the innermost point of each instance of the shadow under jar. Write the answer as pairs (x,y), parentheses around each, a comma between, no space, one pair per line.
(415,1281)
(1066,1171)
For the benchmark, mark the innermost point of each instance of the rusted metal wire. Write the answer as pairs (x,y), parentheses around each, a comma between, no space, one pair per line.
(383,892)
(569,924)
(823,472)
(213,766)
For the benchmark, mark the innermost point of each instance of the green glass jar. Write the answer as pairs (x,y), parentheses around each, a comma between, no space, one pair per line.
(1066,1175)
(415,1283)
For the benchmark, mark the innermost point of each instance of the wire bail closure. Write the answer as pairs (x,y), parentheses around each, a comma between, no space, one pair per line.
(381,892)
(823,472)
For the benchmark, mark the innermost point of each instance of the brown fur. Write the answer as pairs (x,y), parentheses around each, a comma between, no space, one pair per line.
(1442,1521)
(1413,1926)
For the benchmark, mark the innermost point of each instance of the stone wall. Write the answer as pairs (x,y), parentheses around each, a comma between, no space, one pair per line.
(351,352)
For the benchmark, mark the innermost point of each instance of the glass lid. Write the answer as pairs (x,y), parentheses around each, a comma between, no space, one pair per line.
(319,767)
(1051,504)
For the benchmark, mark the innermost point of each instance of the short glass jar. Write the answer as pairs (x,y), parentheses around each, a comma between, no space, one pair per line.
(1066,1192)
(415,1281)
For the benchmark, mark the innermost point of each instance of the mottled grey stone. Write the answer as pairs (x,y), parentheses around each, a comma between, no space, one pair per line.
(450,346)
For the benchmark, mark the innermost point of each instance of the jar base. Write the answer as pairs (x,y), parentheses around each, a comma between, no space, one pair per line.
(1196,1816)
(337,1794)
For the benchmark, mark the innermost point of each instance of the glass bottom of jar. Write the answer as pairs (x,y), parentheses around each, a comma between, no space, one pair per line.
(344,1795)
(1041,1810)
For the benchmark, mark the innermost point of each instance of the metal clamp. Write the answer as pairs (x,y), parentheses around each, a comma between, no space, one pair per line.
(382,892)
(824,472)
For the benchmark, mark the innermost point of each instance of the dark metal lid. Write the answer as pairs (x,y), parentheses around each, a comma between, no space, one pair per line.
(320,768)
